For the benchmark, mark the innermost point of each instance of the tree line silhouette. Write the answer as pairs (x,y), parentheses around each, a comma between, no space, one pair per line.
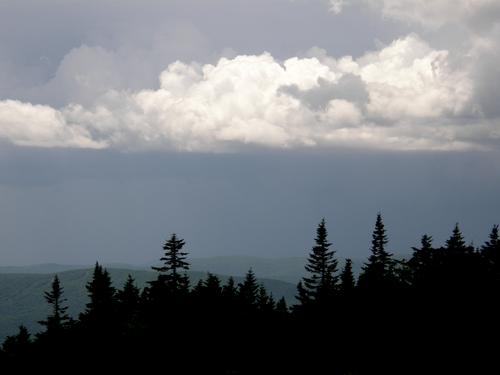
(433,313)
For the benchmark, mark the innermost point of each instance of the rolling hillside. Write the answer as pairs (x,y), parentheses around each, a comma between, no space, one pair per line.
(22,302)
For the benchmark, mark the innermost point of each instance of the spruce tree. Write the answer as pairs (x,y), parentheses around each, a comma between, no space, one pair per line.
(321,285)
(17,346)
(58,319)
(265,302)
(347,281)
(128,300)
(491,252)
(460,265)
(424,263)
(198,290)
(281,306)
(172,275)
(248,289)
(378,273)
(213,288)
(229,291)
(455,245)
(101,294)
(422,256)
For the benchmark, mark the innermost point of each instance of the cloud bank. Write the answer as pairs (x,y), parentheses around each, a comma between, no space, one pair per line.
(405,96)
(436,92)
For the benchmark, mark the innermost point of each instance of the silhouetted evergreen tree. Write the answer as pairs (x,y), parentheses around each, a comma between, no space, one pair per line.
(460,264)
(209,291)
(379,272)
(101,293)
(129,295)
(213,286)
(302,295)
(281,306)
(229,290)
(265,302)
(491,250)
(347,281)
(248,289)
(455,245)
(198,289)
(128,301)
(58,319)
(18,346)
(424,264)
(321,286)
(172,276)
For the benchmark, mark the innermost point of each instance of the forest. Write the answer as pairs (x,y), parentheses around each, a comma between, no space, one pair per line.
(436,312)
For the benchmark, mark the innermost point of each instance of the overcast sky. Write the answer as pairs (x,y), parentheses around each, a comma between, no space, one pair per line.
(239,124)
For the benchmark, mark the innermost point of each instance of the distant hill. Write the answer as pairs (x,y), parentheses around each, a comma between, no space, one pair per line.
(289,269)
(22,302)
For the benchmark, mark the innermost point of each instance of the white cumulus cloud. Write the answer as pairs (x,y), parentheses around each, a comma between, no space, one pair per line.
(405,96)
(36,125)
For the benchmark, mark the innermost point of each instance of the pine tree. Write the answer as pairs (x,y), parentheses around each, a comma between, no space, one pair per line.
(171,276)
(198,289)
(58,319)
(456,245)
(213,288)
(18,345)
(128,300)
(491,248)
(491,253)
(281,306)
(460,264)
(347,281)
(379,272)
(321,285)
(424,263)
(229,290)
(302,295)
(422,256)
(248,290)
(101,294)
(265,302)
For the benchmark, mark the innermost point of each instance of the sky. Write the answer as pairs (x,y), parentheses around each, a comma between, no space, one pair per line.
(239,124)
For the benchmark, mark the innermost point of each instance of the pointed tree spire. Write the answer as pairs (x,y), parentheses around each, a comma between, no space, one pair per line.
(58,318)
(128,299)
(321,284)
(17,346)
(264,301)
(281,306)
(248,289)
(456,242)
(491,248)
(173,271)
(347,281)
(229,290)
(101,294)
(422,264)
(212,286)
(378,272)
